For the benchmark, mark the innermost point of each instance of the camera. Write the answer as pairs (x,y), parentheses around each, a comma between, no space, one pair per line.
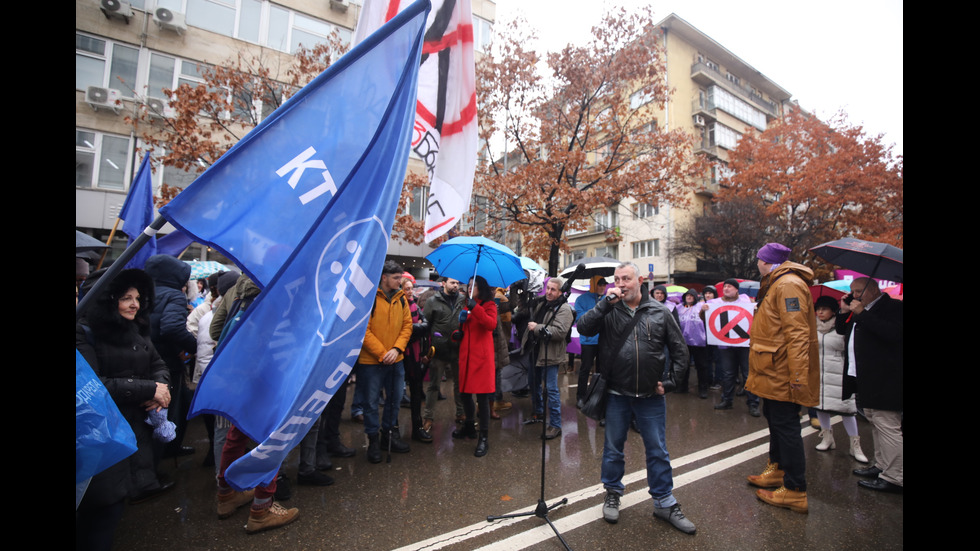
(544,334)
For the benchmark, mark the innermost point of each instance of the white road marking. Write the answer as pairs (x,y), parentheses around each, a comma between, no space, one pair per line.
(565,524)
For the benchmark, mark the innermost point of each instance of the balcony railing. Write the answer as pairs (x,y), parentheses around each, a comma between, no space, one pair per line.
(716,77)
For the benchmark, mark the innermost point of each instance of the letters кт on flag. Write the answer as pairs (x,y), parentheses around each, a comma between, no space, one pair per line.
(245,205)
(280,365)
(445,123)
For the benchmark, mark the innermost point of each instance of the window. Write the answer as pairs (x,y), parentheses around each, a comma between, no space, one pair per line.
(574,256)
(734,79)
(476,218)
(640,98)
(101,160)
(611,251)
(420,196)
(721,135)
(256,21)
(644,210)
(722,99)
(606,220)
(102,63)
(650,247)
(168,72)
(482,34)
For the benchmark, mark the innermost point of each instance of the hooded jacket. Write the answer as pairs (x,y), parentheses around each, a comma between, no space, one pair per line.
(442,311)
(638,365)
(168,319)
(784,349)
(390,326)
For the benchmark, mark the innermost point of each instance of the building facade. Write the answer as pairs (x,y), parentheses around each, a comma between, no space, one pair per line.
(717,97)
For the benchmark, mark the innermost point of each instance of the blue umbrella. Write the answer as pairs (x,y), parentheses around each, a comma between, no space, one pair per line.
(463,257)
(529,264)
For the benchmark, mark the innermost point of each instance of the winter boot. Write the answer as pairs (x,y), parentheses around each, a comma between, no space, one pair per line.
(772,477)
(856,449)
(374,449)
(826,440)
(482,446)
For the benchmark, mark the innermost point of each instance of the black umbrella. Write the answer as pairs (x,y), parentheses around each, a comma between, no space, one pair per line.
(875,260)
(594,266)
(85,242)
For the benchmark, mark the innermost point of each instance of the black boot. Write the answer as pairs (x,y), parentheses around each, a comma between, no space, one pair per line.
(482,446)
(374,449)
(468,430)
(391,441)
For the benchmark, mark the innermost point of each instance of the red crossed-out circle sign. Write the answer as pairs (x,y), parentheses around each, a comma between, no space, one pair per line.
(733,320)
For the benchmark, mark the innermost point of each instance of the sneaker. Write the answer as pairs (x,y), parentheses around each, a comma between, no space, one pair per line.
(610,508)
(229,503)
(316,478)
(675,517)
(270,517)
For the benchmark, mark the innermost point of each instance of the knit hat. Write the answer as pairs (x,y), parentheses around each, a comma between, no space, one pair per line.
(731,281)
(773,253)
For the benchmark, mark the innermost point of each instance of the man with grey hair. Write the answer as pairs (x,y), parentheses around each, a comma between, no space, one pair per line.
(874,325)
(551,320)
(635,331)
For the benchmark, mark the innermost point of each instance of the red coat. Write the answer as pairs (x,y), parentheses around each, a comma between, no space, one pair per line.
(477,373)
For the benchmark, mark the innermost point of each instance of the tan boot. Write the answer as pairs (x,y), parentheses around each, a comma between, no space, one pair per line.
(229,503)
(788,499)
(856,451)
(270,517)
(772,477)
(826,440)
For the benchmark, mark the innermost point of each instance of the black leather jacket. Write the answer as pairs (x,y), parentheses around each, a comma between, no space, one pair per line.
(638,365)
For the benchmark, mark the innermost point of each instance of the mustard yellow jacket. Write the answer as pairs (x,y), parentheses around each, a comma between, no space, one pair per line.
(390,326)
(784,348)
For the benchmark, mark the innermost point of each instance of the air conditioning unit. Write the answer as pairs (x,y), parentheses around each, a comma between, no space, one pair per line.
(698,120)
(158,108)
(170,20)
(339,5)
(103,98)
(117,9)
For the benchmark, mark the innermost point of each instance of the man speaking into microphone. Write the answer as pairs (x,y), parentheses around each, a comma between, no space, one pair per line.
(635,329)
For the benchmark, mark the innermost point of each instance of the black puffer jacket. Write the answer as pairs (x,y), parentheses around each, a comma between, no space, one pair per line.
(168,320)
(636,367)
(121,355)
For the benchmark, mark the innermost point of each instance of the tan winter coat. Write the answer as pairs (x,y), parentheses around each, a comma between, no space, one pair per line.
(784,347)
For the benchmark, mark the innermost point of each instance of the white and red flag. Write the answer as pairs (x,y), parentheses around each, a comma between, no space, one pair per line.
(445,135)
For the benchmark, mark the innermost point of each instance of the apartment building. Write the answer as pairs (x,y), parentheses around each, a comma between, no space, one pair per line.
(717,96)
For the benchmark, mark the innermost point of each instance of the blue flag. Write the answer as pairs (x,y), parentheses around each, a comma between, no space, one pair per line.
(276,370)
(259,199)
(137,213)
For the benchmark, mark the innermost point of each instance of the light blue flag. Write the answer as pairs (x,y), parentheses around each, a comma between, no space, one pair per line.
(261,197)
(280,365)
(137,213)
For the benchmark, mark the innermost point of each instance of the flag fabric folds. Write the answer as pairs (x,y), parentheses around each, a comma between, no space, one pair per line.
(280,365)
(260,198)
(445,135)
(137,213)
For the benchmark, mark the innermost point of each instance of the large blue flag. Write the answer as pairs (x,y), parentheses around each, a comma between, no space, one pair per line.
(261,197)
(280,365)
(137,213)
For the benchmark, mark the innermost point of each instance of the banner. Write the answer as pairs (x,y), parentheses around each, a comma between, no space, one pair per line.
(445,135)
(729,323)
(280,365)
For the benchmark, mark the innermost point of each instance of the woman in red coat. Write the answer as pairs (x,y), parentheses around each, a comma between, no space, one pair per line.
(477,369)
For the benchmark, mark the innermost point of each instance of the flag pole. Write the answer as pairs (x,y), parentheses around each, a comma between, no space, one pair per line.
(119,264)
(108,243)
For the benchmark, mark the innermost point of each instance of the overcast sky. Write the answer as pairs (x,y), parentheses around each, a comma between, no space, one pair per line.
(831,55)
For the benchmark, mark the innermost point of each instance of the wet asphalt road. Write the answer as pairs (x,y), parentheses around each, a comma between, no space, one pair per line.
(438,495)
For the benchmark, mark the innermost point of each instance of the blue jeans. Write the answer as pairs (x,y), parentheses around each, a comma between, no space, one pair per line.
(651,418)
(375,377)
(537,395)
(732,360)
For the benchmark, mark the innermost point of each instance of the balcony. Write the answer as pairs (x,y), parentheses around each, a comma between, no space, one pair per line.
(706,75)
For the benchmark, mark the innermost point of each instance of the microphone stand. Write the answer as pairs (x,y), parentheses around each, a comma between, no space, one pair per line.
(541,510)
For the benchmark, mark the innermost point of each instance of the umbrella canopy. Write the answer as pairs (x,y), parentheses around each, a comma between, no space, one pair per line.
(463,257)
(85,242)
(594,266)
(826,290)
(675,293)
(876,260)
(204,268)
(529,264)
